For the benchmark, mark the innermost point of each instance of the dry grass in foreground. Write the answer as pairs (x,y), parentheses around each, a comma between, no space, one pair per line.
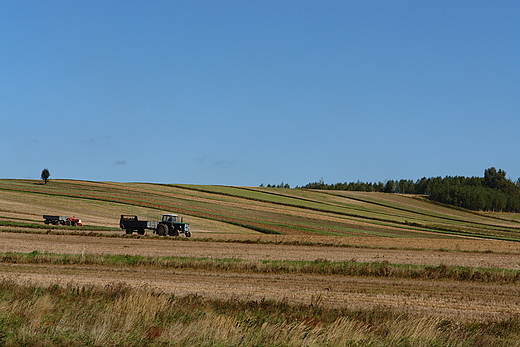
(117,315)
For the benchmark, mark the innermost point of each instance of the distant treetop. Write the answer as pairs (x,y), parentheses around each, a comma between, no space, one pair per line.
(45,175)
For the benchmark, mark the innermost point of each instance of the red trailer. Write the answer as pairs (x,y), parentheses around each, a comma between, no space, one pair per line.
(55,220)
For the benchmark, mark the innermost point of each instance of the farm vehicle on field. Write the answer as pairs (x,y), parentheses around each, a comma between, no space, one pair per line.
(55,220)
(169,225)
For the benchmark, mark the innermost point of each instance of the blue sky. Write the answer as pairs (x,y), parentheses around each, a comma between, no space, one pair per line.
(250,92)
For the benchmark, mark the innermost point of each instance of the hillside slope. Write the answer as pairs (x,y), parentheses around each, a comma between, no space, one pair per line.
(250,210)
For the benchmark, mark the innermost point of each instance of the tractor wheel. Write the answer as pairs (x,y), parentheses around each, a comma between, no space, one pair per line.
(140,231)
(187,233)
(129,231)
(175,232)
(162,230)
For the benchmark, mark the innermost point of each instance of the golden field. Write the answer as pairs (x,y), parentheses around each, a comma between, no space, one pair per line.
(400,257)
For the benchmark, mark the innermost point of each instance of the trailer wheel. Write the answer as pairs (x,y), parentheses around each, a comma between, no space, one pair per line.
(162,230)
(129,231)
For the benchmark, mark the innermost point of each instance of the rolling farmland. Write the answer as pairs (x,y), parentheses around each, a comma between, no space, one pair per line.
(335,256)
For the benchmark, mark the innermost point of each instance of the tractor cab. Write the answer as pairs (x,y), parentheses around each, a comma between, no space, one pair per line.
(170,218)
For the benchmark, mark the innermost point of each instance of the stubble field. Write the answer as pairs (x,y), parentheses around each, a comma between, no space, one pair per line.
(369,261)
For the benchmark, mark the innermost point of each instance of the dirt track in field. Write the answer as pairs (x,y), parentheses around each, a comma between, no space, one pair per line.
(449,298)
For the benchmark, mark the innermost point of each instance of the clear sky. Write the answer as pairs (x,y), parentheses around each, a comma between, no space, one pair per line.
(249,92)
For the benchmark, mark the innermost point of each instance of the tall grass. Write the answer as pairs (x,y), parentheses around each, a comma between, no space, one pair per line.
(317,267)
(116,315)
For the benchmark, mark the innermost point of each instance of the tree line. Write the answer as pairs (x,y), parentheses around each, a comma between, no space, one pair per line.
(493,192)
(281,185)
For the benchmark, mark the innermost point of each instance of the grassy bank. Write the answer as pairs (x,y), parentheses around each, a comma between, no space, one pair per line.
(116,315)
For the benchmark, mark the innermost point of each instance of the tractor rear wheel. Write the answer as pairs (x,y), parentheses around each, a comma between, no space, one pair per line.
(162,230)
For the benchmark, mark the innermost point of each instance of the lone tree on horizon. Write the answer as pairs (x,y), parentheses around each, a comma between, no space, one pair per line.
(45,175)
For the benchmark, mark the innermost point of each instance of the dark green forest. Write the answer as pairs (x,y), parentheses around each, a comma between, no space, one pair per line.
(493,192)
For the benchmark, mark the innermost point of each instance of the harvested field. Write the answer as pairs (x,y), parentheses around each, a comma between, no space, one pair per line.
(289,212)
(448,299)
(231,223)
(445,297)
(69,244)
